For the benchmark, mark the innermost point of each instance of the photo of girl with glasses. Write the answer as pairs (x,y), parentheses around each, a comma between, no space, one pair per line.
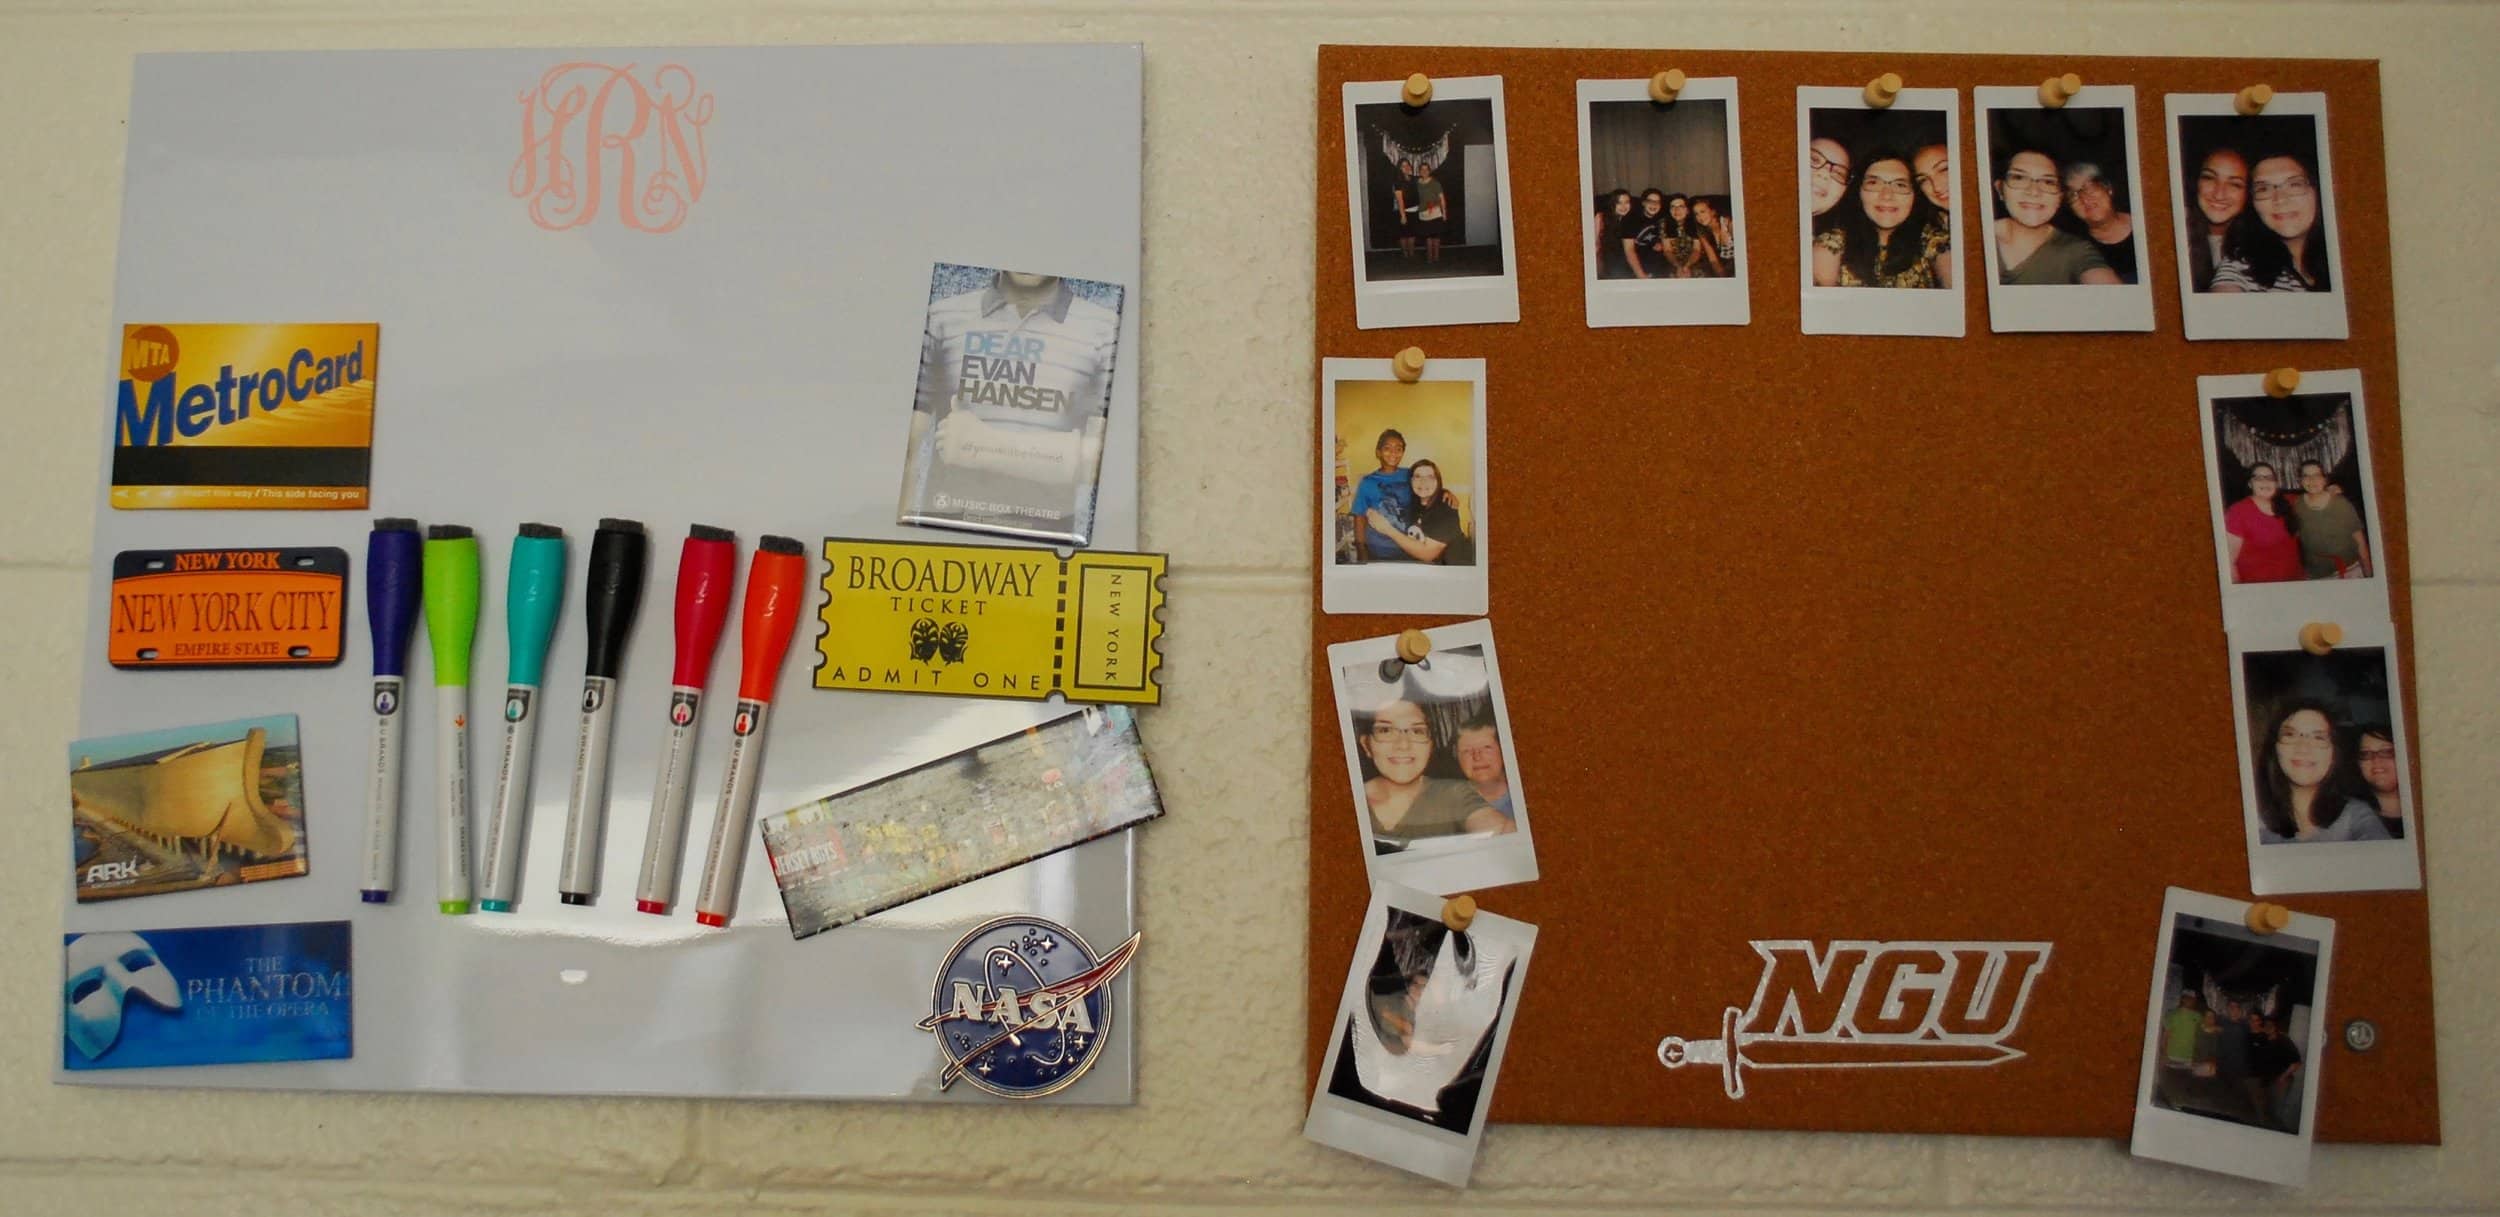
(2304,707)
(1888,235)
(2293,491)
(1429,752)
(2258,184)
(2060,192)
(2031,249)
(1873,225)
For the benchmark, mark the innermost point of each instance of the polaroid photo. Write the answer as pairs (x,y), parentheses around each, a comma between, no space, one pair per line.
(1419,1035)
(1878,234)
(2232,1031)
(2253,206)
(2324,764)
(1405,509)
(2064,250)
(1428,205)
(1435,768)
(1013,398)
(2293,502)
(1662,239)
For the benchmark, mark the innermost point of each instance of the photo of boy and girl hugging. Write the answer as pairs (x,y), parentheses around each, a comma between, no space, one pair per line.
(1401,511)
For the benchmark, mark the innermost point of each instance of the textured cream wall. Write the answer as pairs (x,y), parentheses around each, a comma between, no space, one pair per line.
(1228,433)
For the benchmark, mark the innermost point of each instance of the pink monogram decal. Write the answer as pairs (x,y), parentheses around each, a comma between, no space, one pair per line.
(581,110)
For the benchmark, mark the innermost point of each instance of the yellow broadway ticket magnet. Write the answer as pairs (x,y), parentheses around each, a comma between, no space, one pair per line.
(990,621)
(261,416)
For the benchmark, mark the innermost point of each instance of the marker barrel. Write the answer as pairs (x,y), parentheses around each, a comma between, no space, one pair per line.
(382,796)
(586,816)
(451,853)
(725,864)
(508,831)
(665,842)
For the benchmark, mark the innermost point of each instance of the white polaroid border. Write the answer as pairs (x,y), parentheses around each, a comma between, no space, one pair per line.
(1402,587)
(2253,606)
(2326,866)
(1462,863)
(1625,302)
(1867,310)
(2072,308)
(1474,300)
(2202,1141)
(2256,314)
(1385,1137)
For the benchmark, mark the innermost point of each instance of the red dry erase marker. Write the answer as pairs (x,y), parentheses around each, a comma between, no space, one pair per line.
(776,584)
(706,569)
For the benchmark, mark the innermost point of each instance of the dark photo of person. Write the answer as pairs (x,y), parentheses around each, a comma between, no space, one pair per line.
(1426,216)
(2060,195)
(1419,1042)
(2293,501)
(2378,770)
(2237,1006)
(1673,163)
(2304,711)
(2259,215)
(1883,230)
(1616,233)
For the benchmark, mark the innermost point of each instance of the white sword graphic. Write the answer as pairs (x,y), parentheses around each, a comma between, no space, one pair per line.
(1736,1051)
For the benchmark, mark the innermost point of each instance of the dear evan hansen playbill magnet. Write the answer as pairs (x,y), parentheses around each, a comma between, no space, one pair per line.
(245,416)
(219,995)
(1013,398)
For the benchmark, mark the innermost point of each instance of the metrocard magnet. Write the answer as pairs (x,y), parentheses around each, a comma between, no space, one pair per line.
(990,621)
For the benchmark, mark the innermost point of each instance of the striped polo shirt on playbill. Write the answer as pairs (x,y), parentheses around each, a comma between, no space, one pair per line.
(1014,386)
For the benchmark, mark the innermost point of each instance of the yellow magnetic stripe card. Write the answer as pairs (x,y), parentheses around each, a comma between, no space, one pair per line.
(227,416)
(990,621)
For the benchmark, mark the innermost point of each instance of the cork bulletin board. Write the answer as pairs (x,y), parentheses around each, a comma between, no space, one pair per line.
(1865,639)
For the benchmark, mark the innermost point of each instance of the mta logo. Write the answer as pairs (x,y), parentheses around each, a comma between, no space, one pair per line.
(1860,1004)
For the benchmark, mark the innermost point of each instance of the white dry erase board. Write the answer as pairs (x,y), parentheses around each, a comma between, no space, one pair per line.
(747,361)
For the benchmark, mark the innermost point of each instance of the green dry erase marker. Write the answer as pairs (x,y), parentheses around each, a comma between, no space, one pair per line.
(450,581)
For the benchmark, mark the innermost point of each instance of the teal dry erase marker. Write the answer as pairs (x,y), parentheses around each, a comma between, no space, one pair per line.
(450,575)
(532,597)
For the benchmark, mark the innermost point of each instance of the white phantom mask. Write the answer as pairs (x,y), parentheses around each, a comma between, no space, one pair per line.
(97,970)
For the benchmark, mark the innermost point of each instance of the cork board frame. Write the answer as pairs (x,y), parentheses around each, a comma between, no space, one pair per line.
(1832,638)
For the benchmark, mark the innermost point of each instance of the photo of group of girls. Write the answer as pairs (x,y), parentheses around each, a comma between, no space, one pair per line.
(1880,191)
(1663,208)
(2255,223)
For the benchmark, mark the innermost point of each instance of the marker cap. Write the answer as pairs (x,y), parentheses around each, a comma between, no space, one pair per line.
(394,567)
(776,591)
(714,920)
(658,908)
(612,592)
(531,601)
(456,908)
(573,897)
(376,896)
(451,579)
(706,570)
(495,906)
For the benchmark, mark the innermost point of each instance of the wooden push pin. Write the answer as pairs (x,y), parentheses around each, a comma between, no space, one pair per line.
(2056,91)
(1881,91)
(2320,637)
(1664,86)
(2254,99)
(1414,645)
(1408,367)
(2282,382)
(1458,912)
(2263,918)
(1418,91)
